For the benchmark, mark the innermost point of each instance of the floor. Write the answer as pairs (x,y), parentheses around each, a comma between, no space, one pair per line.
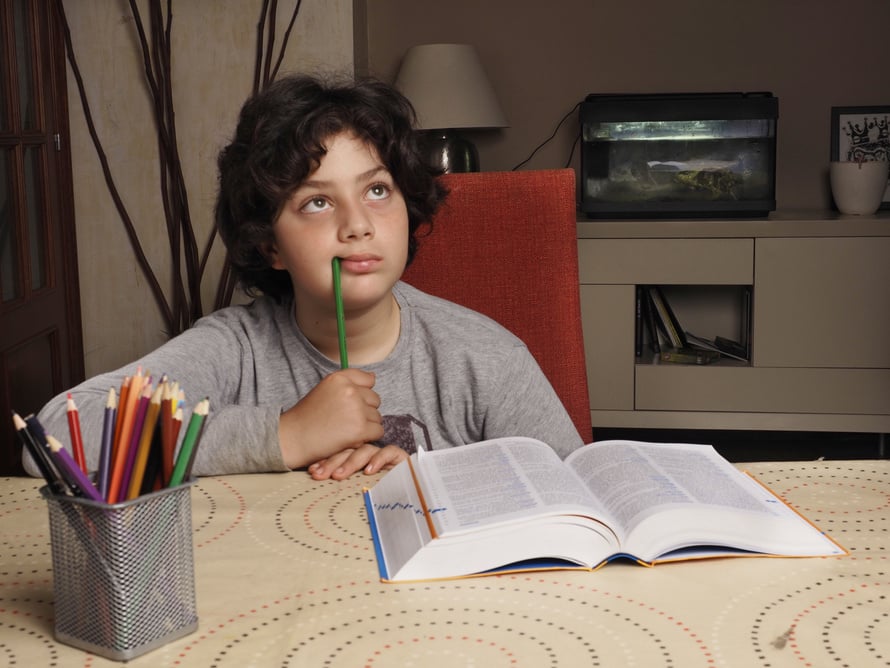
(750,446)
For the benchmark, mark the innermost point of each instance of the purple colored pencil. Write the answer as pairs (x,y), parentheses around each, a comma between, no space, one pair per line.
(77,479)
(133,446)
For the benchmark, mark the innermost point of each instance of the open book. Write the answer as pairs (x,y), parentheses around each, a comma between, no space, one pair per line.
(512,504)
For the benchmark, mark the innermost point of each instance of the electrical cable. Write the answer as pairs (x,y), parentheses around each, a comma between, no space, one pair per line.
(550,138)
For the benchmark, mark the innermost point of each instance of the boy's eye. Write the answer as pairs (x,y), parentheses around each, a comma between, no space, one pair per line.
(314,205)
(378,191)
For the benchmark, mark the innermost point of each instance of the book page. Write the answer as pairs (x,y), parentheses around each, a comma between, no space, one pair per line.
(631,478)
(397,517)
(498,481)
(676,496)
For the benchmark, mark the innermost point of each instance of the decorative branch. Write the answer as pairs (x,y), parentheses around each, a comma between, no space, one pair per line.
(226,286)
(156,49)
(109,179)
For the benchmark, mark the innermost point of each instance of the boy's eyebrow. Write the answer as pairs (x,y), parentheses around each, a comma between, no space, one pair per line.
(364,176)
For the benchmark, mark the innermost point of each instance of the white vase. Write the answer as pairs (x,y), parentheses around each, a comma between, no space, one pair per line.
(858,187)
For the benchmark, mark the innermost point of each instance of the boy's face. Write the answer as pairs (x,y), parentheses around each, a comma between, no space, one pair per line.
(350,207)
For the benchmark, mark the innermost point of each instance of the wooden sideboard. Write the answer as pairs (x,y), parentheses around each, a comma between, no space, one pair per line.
(819,321)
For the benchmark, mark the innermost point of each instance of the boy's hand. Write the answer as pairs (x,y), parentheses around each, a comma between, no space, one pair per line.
(368,458)
(339,414)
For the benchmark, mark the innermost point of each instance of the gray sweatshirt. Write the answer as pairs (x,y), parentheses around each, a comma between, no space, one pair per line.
(454,377)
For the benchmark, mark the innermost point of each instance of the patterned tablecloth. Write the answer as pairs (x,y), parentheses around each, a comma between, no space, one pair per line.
(285,575)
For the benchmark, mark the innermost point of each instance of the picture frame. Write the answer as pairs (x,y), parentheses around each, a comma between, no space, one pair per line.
(862,134)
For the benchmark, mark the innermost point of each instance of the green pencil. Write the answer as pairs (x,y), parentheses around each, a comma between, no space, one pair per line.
(341,319)
(189,443)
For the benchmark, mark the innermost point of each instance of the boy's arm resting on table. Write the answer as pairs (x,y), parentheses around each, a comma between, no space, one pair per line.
(235,439)
(209,361)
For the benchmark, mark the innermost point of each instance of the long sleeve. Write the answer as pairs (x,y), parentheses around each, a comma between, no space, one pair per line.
(236,359)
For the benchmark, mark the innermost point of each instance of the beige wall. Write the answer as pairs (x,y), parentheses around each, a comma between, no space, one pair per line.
(214,42)
(543,58)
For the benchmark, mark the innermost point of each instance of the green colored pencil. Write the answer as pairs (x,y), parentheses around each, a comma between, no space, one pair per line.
(189,443)
(341,318)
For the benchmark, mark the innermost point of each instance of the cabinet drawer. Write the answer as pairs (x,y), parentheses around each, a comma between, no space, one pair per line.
(666,261)
(822,303)
(766,390)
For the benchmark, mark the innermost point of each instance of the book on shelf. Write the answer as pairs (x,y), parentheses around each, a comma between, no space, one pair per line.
(650,320)
(689,355)
(665,314)
(720,345)
(511,504)
(732,348)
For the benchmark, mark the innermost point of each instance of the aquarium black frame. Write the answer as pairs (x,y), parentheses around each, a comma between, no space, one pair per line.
(680,106)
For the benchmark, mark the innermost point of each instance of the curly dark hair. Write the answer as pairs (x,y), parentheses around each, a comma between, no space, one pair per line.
(280,141)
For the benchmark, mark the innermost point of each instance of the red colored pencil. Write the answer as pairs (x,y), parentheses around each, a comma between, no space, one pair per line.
(174,438)
(76,437)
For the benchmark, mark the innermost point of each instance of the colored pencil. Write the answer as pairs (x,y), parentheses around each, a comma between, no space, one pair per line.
(39,455)
(77,479)
(36,430)
(188,467)
(125,416)
(105,448)
(168,442)
(133,446)
(177,427)
(153,478)
(189,442)
(76,436)
(121,402)
(146,437)
(341,318)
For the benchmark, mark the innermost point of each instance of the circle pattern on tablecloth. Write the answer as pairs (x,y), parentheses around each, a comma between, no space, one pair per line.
(369,624)
(848,499)
(26,574)
(843,613)
(321,521)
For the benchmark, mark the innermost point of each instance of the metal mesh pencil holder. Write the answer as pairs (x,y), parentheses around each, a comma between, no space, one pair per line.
(123,574)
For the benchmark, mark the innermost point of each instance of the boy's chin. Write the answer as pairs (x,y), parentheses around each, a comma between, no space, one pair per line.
(363,294)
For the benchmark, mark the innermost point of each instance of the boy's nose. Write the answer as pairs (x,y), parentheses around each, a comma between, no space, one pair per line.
(356,224)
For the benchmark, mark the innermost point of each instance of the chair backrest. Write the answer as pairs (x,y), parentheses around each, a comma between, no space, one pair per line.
(505,244)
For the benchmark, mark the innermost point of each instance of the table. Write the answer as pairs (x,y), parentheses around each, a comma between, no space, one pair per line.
(285,575)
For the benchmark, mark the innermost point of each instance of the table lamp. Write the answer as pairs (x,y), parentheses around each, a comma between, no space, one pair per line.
(449,91)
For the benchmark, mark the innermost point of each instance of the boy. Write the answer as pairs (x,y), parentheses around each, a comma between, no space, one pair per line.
(318,171)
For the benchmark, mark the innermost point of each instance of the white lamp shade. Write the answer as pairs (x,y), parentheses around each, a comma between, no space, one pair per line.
(448,88)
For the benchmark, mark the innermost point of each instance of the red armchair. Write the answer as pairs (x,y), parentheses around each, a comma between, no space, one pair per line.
(504,244)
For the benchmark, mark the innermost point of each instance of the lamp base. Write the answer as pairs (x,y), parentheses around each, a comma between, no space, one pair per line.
(449,152)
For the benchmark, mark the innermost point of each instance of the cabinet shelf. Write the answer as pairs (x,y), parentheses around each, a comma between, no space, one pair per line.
(649,358)
(707,311)
(819,285)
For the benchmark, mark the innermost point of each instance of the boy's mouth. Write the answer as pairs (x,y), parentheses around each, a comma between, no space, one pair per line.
(360,263)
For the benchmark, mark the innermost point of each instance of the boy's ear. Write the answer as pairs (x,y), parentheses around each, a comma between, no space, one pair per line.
(270,251)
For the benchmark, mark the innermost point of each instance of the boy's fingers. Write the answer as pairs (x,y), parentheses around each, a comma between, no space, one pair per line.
(322,470)
(385,458)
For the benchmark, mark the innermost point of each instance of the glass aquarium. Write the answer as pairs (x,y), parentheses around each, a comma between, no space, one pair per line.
(711,154)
